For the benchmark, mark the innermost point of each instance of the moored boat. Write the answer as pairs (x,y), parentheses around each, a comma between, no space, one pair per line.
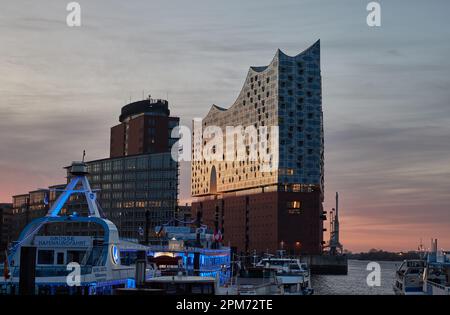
(65,264)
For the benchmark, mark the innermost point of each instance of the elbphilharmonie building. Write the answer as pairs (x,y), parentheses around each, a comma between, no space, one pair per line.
(267,195)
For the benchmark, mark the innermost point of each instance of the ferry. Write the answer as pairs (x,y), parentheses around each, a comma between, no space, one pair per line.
(436,278)
(427,276)
(409,277)
(277,276)
(96,264)
(71,264)
(191,251)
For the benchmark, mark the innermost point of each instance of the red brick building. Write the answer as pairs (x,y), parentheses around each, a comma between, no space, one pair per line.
(145,127)
(267,222)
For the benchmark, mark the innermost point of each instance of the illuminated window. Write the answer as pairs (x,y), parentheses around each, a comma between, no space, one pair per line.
(294,207)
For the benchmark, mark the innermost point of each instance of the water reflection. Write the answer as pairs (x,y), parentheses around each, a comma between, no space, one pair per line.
(355,282)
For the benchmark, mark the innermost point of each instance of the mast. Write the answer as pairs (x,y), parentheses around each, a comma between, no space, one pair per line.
(334,233)
(336,220)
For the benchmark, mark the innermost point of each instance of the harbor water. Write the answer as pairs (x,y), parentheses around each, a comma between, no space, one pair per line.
(355,282)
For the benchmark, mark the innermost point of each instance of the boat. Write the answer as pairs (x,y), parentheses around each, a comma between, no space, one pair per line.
(436,278)
(100,262)
(276,276)
(184,285)
(63,264)
(409,277)
(189,250)
(427,276)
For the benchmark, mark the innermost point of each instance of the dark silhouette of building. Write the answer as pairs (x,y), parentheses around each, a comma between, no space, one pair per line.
(5,227)
(184,214)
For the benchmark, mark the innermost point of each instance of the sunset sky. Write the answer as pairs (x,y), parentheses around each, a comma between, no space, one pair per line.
(386,93)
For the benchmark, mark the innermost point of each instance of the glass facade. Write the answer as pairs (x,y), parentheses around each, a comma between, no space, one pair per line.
(129,186)
(287,93)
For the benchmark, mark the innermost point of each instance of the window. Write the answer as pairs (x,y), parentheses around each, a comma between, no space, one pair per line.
(96,167)
(75,256)
(46,257)
(107,166)
(117,165)
(128,195)
(294,207)
(60,258)
(95,178)
(142,175)
(117,195)
(130,164)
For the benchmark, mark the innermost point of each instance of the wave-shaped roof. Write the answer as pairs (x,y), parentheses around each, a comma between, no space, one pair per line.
(260,69)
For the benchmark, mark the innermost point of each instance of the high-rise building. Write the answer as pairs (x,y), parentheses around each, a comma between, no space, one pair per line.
(282,208)
(140,176)
(145,127)
(130,186)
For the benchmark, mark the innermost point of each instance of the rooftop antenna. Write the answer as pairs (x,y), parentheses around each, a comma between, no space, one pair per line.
(84,154)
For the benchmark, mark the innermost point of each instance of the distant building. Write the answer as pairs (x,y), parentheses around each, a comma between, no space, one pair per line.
(184,213)
(139,176)
(129,186)
(27,207)
(21,214)
(5,227)
(281,209)
(145,127)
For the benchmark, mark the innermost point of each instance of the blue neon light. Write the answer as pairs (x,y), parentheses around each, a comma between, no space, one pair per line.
(59,204)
